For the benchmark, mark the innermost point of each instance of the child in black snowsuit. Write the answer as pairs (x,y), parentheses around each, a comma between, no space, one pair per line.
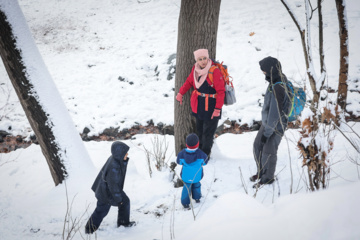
(108,188)
(192,158)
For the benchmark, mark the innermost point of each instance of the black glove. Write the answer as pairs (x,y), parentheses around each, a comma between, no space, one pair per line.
(263,139)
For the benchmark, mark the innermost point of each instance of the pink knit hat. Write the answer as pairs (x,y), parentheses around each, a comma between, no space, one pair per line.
(201,53)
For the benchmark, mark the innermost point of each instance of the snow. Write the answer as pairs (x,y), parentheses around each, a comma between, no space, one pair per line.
(226,210)
(87,46)
(251,220)
(88,51)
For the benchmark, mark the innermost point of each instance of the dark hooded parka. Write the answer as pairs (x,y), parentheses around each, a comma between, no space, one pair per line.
(109,183)
(277,101)
(274,119)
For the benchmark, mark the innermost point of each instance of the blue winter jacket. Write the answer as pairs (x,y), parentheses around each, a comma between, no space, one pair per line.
(192,161)
(109,183)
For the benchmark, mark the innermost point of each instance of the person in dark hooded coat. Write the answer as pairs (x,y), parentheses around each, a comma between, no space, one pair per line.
(108,188)
(274,116)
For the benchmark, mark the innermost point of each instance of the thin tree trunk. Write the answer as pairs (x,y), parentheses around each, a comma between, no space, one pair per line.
(198,24)
(312,78)
(306,50)
(311,152)
(344,54)
(301,31)
(321,38)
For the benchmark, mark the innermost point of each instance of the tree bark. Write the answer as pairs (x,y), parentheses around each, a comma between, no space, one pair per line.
(344,55)
(197,28)
(29,99)
(321,38)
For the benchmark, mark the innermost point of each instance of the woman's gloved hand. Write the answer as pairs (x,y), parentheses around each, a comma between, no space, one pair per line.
(216,113)
(179,97)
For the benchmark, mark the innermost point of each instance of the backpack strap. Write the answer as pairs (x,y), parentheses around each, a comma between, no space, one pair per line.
(271,86)
(289,85)
(211,74)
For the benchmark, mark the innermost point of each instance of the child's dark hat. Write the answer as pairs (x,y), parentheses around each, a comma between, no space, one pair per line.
(192,141)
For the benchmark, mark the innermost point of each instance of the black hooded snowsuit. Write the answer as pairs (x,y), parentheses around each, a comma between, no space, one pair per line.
(274,119)
(108,187)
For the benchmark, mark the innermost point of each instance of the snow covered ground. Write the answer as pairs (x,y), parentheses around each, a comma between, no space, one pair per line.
(32,208)
(113,58)
(110,61)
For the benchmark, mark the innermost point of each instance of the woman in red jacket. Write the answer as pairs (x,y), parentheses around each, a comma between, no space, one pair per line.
(207,97)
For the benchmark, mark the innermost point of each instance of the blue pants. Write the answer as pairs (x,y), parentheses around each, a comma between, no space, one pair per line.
(102,209)
(190,188)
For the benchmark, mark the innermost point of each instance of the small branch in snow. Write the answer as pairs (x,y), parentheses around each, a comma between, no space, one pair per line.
(143,1)
(355,146)
(243,181)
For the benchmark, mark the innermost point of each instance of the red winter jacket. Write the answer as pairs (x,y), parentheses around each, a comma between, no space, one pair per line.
(218,85)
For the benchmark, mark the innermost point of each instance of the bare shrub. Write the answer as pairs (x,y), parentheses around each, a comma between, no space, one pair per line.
(157,154)
(72,224)
(5,107)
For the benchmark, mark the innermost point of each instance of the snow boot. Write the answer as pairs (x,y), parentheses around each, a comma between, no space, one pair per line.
(260,183)
(255,177)
(129,224)
(90,228)
(186,206)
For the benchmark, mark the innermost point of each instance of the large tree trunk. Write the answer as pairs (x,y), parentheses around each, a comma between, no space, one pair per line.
(198,24)
(344,54)
(38,95)
(36,115)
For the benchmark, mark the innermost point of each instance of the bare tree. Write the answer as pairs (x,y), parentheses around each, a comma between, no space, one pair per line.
(314,153)
(344,54)
(25,67)
(198,24)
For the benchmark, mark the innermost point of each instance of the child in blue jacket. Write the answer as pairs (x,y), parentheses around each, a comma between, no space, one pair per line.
(192,158)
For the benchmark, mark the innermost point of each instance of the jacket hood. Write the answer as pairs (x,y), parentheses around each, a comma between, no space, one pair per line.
(119,150)
(191,155)
(272,67)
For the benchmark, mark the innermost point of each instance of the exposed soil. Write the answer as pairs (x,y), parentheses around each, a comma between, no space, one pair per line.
(10,143)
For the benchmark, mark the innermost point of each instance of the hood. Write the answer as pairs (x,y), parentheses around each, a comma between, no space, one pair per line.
(119,150)
(272,67)
(191,155)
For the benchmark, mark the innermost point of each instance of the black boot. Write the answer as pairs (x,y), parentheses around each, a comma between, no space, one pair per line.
(261,182)
(90,228)
(128,224)
(255,177)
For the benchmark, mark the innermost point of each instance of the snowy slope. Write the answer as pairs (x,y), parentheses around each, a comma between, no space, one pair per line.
(32,208)
(88,45)
(111,60)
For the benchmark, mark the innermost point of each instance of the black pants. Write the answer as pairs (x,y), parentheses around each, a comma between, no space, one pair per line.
(102,209)
(206,131)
